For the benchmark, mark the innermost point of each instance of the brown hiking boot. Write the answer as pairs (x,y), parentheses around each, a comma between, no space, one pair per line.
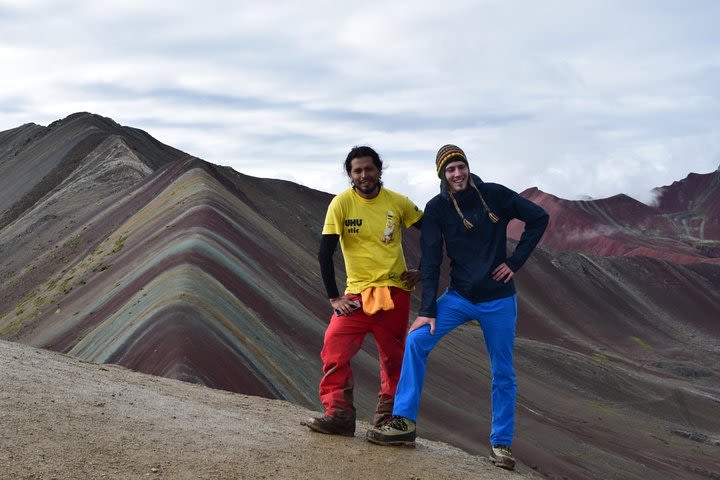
(383,411)
(501,456)
(398,432)
(331,425)
(381,419)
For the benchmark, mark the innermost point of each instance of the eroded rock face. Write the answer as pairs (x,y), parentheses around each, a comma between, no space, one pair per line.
(118,249)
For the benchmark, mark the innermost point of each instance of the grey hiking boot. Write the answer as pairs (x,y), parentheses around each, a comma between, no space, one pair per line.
(399,431)
(501,456)
(331,425)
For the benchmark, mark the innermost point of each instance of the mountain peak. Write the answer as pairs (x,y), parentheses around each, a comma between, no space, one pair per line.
(681,225)
(88,118)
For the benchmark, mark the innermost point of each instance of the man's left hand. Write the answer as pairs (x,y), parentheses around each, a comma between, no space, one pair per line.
(410,277)
(502,272)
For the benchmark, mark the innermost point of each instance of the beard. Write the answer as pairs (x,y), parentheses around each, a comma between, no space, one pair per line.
(368,188)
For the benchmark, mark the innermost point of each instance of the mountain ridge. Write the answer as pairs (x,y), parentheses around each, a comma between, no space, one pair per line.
(196,272)
(684,226)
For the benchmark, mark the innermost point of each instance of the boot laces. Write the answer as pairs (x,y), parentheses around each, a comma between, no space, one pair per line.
(503,450)
(396,423)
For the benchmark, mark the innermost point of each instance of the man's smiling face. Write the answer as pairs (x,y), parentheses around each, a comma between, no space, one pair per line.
(457,176)
(365,176)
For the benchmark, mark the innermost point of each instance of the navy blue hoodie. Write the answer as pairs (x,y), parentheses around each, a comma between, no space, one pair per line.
(475,253)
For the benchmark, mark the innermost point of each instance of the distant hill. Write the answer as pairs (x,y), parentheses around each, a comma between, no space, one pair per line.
(115,248)
(683,226)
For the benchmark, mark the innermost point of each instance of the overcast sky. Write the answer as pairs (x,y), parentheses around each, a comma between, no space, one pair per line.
(577,98)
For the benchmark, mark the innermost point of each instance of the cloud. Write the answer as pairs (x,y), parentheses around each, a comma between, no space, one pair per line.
(577,99)
(580,235)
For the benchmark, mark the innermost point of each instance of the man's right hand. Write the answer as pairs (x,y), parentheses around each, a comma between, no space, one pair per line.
(342,305)
(410,278)
(420,321)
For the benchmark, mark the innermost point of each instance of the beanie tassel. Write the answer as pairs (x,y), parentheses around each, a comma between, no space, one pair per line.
(465,221)
(493,218)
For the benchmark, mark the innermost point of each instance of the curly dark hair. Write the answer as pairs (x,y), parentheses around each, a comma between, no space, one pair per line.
(362,151)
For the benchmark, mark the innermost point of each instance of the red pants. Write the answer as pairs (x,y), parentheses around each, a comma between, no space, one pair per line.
(343,339)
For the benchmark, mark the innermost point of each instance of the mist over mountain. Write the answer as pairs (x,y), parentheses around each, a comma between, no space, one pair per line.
(115,248)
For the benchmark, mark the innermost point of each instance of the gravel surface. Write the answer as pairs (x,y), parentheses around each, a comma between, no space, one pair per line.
(64,418)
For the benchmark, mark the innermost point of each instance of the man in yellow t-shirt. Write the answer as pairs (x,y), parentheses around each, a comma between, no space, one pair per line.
(367,220)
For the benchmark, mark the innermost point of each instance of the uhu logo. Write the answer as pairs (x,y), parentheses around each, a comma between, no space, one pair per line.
(353,224)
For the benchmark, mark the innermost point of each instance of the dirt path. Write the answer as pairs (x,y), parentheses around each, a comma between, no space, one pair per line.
(63,418)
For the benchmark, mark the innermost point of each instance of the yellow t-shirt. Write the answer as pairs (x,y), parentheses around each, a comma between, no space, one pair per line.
(371,236)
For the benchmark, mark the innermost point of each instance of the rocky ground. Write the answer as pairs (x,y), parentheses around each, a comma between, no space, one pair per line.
(63,418)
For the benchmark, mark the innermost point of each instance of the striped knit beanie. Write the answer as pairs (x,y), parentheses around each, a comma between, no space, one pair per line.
(447,154)
(453,153)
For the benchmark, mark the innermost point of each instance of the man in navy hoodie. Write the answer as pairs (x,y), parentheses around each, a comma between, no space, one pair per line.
(471,218)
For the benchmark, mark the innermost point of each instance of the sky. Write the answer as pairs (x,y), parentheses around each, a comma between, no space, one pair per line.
(578,98)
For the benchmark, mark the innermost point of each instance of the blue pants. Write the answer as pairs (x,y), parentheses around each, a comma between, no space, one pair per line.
(497,319)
